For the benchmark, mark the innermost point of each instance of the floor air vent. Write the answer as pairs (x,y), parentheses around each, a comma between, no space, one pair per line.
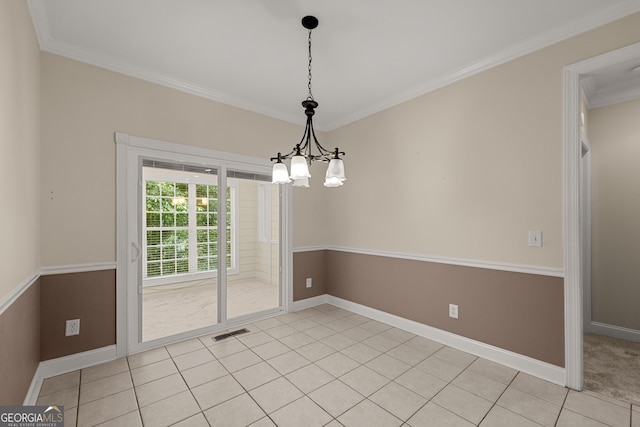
(230,334)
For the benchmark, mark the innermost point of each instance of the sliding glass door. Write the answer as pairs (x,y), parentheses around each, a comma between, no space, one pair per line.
(180,224)
(254,285)
(206,251)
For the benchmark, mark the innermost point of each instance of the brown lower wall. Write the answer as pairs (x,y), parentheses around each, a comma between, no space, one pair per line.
(522,313)
(309,264)
(19,346)
(88,296)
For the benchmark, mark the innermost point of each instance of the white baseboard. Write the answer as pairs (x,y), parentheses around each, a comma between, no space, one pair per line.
(544,370)
(310,302)
(613,331)
(63,365)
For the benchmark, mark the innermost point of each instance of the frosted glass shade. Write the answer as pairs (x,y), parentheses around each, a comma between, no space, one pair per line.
(335,173)
(333,182)
(336,169)
(302,182)
(299,168)
(280,174)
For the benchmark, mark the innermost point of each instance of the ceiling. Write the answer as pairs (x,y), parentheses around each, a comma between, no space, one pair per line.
(615,83)
(367,54)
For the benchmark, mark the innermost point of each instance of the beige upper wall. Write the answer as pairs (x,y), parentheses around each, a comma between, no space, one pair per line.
(19,146)
(614,134)
(474,166)
(83,106)
(467,170)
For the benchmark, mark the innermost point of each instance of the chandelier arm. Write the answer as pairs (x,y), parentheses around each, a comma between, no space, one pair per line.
(300,171)
(285,156)
(324,153)
(304,142)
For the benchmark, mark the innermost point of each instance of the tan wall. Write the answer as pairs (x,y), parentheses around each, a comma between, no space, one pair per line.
(90,297)
(19,145)
(309,264)
(310,210)
(474,166)
(523,313)
(467,170)
(82,107)
(20,349)
(614,133)
(20,175)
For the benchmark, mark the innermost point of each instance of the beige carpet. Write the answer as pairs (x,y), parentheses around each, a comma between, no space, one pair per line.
(612,367)
(179,307)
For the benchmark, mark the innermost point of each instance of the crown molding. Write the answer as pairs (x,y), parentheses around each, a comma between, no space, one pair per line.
(529,46)
(48,44)
(115,65)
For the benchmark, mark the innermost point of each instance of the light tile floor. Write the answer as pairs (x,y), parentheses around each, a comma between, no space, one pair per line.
(323,366)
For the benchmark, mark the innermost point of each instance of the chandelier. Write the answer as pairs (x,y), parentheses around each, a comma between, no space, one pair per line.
(302,155)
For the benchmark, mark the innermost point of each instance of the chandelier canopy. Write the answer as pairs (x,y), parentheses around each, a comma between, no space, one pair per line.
(302,156)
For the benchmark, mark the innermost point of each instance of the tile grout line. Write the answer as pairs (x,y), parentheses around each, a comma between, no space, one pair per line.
(566,395)
(247,391)
(185,382)
(135,393)
(344,326)
(360,364)
(498,398)
(79,389)
(314,363)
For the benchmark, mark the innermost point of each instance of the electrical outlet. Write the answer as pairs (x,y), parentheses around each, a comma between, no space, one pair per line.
(453,311)
(72,327)
(309,282)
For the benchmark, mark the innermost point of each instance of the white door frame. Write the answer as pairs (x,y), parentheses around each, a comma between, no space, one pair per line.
(573,287)
(585,229)
(128,148)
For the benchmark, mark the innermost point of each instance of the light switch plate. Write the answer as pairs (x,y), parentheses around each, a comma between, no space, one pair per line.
(535,238)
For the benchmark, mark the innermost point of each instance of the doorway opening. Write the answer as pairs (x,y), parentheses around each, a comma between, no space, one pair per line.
(577,209)
(204,242)
(181,253)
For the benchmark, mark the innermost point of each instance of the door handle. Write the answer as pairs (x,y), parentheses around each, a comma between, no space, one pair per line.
(135,251)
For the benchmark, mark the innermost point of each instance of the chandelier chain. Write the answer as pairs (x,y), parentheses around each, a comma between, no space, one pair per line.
(302,155)
(310,96)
